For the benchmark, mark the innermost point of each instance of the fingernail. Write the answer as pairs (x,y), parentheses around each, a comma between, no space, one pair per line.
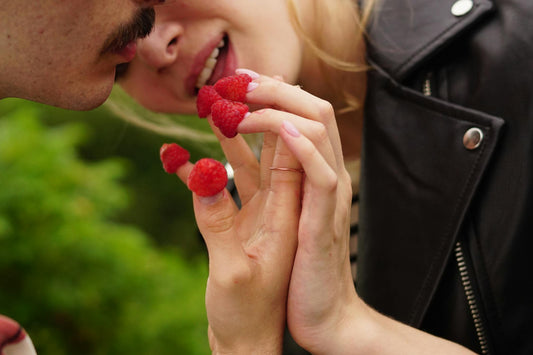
(252,74)
(210,200)
(252,86)
(291,129)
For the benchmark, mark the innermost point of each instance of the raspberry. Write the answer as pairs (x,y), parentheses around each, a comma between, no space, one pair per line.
(208,177)
(206,97)
(227,115)
(173,156)
(233,87)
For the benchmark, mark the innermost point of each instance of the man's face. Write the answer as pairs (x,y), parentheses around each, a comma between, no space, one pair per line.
(64,52)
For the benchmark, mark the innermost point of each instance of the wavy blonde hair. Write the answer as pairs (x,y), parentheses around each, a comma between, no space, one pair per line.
(348,57)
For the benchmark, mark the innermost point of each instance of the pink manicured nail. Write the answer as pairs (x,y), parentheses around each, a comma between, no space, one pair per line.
(252,86)
(252,74)
(291,129)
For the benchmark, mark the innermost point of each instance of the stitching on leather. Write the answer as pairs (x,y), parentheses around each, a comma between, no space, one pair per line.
(428,43)
(448,230)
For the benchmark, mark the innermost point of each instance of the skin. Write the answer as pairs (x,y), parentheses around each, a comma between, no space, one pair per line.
(332,322)
(52,50)
(157,76)
(288,244)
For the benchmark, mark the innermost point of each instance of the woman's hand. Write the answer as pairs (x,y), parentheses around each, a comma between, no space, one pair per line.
(324,313)
(321,293)
(251,249)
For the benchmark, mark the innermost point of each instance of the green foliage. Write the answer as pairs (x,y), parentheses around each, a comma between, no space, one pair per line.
(79,281)
(159,203)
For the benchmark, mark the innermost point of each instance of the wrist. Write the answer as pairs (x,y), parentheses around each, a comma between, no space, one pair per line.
(252,349)
(357,331)
(258,343)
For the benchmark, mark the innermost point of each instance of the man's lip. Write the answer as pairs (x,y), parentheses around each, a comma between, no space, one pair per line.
(128,52)
(199,63)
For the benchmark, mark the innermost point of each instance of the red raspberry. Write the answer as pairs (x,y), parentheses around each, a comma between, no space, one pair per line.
(234,87)
(206,97)
(173,156)
(227,115)
(208,177)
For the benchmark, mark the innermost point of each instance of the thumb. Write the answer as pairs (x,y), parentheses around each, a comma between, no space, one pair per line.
(215,216)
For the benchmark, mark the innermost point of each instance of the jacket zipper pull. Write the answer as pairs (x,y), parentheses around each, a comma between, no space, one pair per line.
(426,87)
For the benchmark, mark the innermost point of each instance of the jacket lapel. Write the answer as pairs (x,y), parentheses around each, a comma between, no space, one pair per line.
(399,48)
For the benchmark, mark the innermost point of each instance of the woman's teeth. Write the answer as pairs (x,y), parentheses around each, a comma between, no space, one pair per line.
(210,64)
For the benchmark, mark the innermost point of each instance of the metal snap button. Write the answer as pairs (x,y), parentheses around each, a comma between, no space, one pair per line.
(462,7)
(473,138)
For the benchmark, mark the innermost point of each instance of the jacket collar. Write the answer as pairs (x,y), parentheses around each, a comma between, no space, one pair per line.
(403,33)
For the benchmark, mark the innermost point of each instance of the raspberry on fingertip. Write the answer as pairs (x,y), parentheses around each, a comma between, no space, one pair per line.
(173,156)
(208,177)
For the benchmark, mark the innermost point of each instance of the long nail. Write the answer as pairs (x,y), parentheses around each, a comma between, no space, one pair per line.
(252,86)
(291,129)
(252,74)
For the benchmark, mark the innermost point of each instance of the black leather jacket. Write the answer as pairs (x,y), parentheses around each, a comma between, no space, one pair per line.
(446,222)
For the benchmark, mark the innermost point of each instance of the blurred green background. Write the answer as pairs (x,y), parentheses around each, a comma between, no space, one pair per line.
(99,253)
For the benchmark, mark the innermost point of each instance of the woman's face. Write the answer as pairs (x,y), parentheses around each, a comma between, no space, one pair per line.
(196,42)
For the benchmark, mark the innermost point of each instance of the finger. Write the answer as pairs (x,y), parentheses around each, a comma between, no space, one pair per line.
(268,151)
(215,217)
(283,201)
(291,98)
(285,171)
(243,162)
(271,120)
(320,200)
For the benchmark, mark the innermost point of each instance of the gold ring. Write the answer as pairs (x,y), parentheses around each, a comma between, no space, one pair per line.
(287,169)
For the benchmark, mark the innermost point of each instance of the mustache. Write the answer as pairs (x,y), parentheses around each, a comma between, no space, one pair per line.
(140,27)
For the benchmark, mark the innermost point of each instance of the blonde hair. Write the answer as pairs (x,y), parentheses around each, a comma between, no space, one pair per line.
(187,129)
(349,57)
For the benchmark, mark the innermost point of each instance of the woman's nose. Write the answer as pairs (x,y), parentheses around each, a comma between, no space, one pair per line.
(160,48)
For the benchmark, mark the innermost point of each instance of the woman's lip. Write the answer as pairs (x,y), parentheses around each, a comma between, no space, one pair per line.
(199,63)
(128,52)
(226,64)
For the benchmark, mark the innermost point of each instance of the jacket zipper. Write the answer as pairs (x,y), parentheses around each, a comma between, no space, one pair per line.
(471,298)
(461,263)
(426,87)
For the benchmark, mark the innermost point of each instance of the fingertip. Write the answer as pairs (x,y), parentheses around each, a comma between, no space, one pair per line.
(249,72)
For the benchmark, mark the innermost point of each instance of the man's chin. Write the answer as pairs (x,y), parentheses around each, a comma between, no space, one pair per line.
(83,100)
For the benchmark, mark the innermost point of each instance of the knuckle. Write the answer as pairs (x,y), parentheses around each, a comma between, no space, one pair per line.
(321,133)
(346,179)
(218,221)
(331,182)
(238,275)
(272,85)
(325,110)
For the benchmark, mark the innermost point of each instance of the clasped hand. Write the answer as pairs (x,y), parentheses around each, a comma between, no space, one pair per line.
(283,257)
